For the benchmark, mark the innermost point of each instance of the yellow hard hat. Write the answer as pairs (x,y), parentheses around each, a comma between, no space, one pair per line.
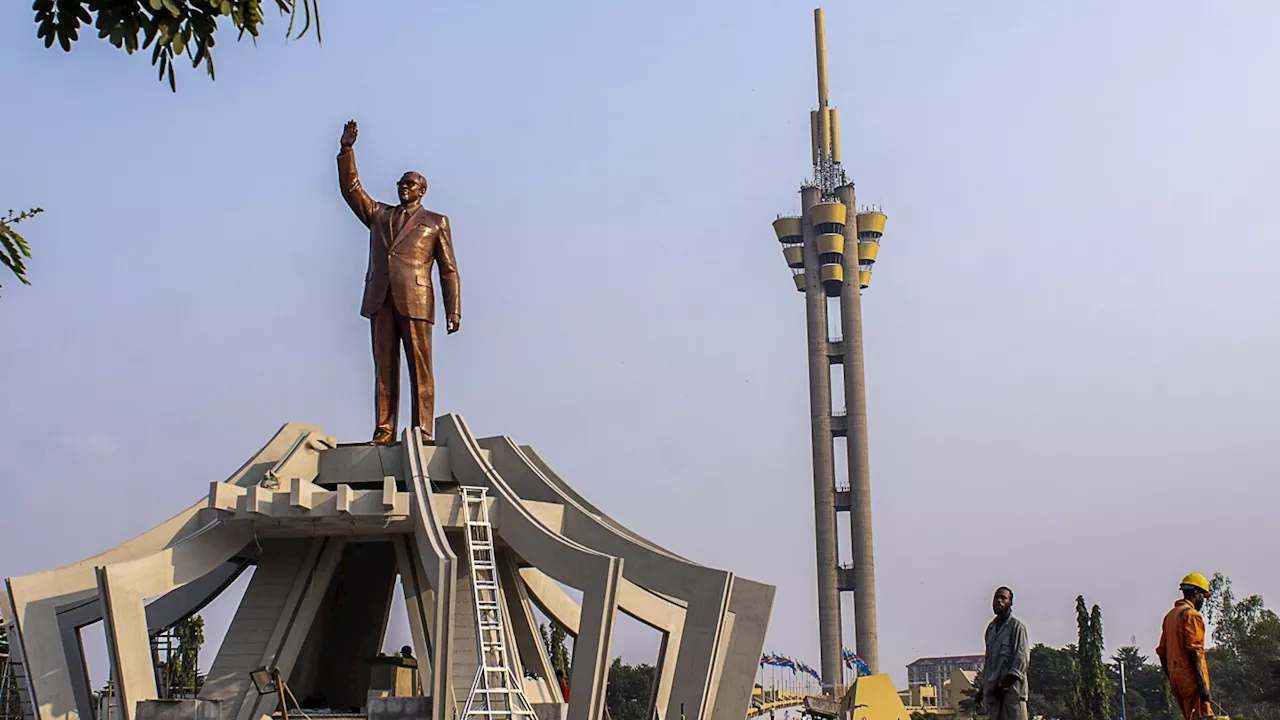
(1196,580)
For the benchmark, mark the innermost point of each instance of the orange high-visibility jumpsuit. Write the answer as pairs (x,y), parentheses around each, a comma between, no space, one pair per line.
(1181,635)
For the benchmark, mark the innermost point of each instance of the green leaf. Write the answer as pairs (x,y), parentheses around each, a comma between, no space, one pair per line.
(14,247)
(168,27)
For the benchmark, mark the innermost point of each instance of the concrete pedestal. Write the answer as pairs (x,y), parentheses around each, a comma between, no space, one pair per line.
(393,676)
(178,710)
(399,708)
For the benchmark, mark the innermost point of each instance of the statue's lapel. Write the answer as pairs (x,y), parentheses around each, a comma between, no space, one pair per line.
(410,222)
(387,236)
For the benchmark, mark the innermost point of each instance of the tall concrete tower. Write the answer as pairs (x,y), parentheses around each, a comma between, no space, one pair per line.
(831,248)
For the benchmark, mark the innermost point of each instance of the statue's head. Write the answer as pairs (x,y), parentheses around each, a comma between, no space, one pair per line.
(412,187)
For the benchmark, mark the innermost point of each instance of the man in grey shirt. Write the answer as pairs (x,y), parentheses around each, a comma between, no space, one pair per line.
(1004,673)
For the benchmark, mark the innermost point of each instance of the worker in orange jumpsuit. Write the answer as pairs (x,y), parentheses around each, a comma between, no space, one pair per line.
(1181,649)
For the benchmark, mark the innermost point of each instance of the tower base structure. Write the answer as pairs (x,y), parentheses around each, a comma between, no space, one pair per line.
(327,529)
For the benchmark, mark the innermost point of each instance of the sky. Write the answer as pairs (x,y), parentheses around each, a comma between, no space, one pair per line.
(1070,338)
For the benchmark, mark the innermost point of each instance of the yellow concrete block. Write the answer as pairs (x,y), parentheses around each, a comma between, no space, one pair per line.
(874,698)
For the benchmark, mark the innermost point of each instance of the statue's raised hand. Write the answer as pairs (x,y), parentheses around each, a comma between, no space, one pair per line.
(349,133)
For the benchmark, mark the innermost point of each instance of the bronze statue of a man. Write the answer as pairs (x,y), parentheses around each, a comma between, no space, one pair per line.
(404,242)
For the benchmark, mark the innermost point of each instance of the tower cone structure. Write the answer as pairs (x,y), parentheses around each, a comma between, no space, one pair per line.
(830,249)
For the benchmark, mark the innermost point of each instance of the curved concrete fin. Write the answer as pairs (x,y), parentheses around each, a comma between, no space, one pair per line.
(552,600)
(125,586)
(34,598)
(163,613)
(751,604)
(705,590)
(598,575)
(439,568)
(646,565)
(181,603)
(564,488)
(524,632)
(636,602)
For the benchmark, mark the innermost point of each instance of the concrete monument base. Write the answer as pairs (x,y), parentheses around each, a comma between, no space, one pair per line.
(328,528)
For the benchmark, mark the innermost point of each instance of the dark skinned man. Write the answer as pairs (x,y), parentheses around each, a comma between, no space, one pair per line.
(1181,649)
(1004,672)
(405,241)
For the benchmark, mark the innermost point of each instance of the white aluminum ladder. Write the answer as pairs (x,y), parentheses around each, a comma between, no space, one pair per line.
(495,693)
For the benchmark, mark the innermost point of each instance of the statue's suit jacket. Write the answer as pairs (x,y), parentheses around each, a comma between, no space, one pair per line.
(401,262)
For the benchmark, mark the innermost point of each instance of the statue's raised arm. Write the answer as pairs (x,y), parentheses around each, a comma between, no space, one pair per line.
(349,180)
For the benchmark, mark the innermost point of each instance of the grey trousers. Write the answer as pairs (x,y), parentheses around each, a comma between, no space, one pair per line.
(1006,706)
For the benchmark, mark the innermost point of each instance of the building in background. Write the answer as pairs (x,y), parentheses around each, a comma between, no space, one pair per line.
(935,671)
(942,700)
(954,688)
(920,698)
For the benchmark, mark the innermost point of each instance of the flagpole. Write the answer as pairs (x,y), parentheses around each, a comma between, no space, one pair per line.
(1123,710)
